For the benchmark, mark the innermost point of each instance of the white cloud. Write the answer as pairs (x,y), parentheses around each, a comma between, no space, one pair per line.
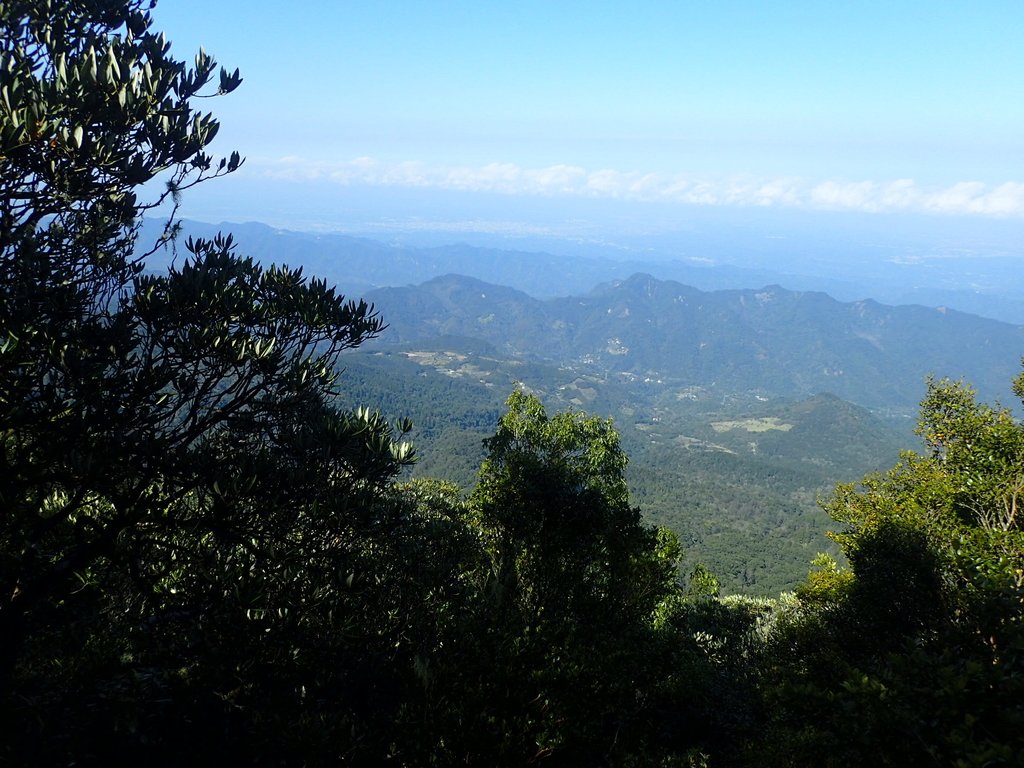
(961,198)
(844,195)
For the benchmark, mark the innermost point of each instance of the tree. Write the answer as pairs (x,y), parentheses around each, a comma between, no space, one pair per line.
(915,654)
(553,500)
(172,455)
(565,618)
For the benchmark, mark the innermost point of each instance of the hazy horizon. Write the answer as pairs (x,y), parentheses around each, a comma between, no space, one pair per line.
(863,145)
(912,108)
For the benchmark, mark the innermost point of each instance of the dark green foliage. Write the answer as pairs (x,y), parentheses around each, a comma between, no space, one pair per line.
(575,579)
(452,416)
(183,502)
(914,656)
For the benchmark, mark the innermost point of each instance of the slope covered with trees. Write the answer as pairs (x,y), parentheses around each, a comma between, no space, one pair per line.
(737,478)
(779,342)
(206,555)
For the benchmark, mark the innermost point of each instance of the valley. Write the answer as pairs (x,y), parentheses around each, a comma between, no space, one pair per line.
(737,476)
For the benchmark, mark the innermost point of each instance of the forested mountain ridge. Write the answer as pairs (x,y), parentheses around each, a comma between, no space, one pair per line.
(387,259)
(778,342)
(580,311)
(738,478)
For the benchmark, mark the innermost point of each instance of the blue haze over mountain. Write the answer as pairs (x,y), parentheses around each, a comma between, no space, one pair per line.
(775,342)
(971,265)
(692,320)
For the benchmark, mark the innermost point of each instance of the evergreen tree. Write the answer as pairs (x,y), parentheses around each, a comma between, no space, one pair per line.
(180,490)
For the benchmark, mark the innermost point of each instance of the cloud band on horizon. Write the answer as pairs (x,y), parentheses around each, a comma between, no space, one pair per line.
(970,198)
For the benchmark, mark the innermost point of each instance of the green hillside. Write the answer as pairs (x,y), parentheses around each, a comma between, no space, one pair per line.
(738,478)
(773,341)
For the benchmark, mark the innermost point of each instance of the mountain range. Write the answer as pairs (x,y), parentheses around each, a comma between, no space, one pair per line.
(771,341)
(733,259)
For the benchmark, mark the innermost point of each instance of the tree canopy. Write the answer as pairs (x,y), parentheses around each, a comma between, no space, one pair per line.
(914,654)
(169,444)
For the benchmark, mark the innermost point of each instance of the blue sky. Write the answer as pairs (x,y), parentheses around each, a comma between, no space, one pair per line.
(865,106)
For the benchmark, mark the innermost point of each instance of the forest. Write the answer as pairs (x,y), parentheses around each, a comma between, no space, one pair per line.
(743,503)
(208,555)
